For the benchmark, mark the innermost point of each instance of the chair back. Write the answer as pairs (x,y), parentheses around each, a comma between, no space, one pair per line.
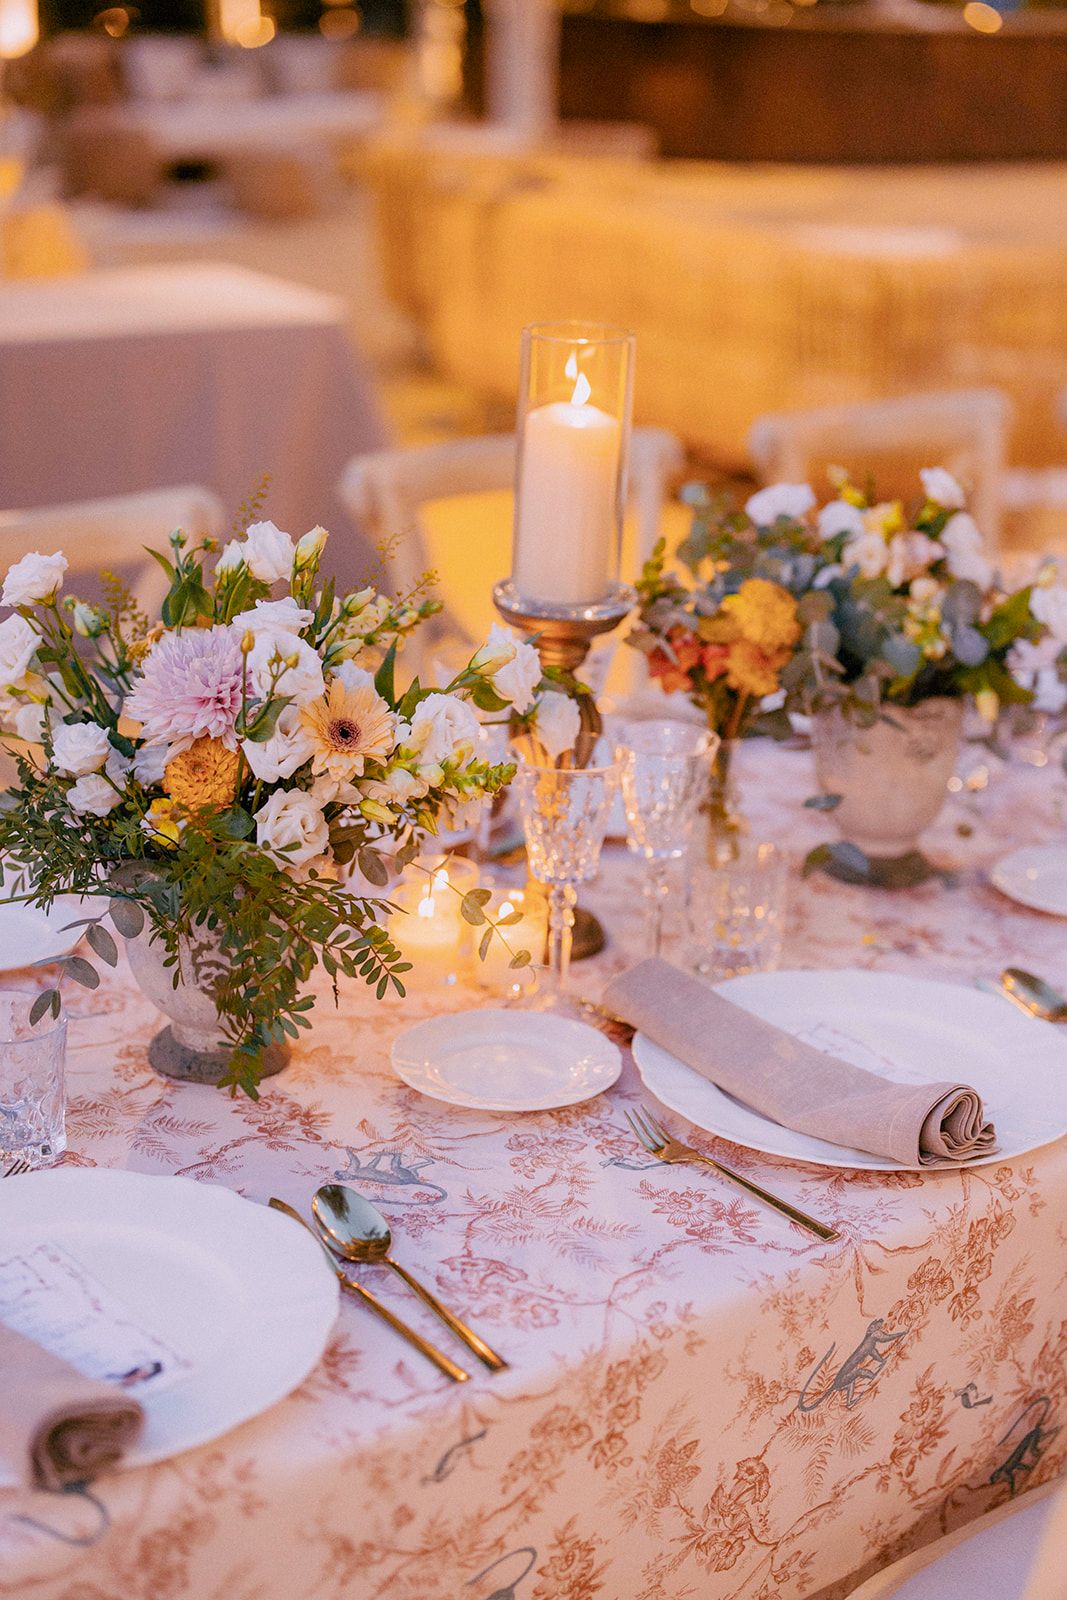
(964,430)
(110,535)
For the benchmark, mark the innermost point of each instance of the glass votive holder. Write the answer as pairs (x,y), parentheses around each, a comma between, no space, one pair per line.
(737,911)
(529,932)
(428,925)
(32,1082)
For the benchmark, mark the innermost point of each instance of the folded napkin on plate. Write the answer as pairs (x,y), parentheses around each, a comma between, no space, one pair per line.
(56,1426)
(916,1124)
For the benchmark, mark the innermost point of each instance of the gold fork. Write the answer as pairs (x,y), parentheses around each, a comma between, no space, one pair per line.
(20,1164)
(654,1138)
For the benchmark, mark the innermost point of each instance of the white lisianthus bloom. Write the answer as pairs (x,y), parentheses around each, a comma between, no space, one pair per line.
(298,666)
(283,616)
(793,500)
(292,821)
(326,789)
(444,728)
(496,652)
(396,788)
(18,645)
(117,767)
(149,764)
(279,756)
(1049,606)
(517,679)
(941,487)
(233,555)
(93,795)
(79,748)
(1034,667)
(310,547)
(557,722)
(34,578)
(869,552)
(268,552)
(29,723)
(910,554)
(962,539)
(840,517)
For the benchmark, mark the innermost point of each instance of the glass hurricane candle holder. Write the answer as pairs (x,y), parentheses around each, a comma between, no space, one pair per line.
(574,418)
(428,924)
(565,815)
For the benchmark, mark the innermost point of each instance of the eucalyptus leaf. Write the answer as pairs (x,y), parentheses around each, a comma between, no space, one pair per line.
(101,942)
(127,917)
(42,1004)
(82,972)
(372,866)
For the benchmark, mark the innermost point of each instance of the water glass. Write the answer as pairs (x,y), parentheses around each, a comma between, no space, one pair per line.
(32,1083)
(565,815)
(737,912)
(663,768)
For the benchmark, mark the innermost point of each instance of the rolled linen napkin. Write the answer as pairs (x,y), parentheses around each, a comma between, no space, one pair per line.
(56,1426)
(798,1086)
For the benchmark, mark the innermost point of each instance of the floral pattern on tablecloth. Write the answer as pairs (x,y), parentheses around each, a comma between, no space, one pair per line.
(701,1403)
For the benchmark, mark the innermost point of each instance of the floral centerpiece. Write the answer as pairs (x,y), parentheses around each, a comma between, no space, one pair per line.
(220,773)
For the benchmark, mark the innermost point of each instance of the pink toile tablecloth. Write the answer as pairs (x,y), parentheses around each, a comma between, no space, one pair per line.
(701,1403)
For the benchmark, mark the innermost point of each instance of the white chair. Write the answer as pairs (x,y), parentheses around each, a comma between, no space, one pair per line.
(111,535)
(1018,1552)
(964,430)
(386,493)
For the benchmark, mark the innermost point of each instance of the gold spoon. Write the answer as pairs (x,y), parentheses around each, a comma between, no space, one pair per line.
(358,1231)
(439,1359)
(1034,995)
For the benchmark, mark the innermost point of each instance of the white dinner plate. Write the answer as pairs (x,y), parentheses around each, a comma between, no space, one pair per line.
(234,1298)
(1036,876)
(506,1060)
(906,1029)
(29,935)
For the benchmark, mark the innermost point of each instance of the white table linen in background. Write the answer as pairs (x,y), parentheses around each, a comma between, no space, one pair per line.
(192,130)
(647,1441)
(137,379)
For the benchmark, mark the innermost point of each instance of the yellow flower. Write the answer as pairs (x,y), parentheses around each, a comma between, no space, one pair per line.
(140,647)
(348,725)
(163,822)
(204,775)
(886,518)
(754,671)
(766,614)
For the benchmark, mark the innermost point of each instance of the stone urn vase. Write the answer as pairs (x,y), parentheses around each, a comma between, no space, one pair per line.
(892,778)
(192,1046)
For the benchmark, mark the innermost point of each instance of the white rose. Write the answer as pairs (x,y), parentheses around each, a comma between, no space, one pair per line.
(354,677)
(941,487)
(869,552)
(443,728)
(79,747)
(792,500)
(909,556)
(32,579)
(557,722)
(840,517)
(18,644)
(117,767)
(93,794)
(268,552)
(962,539)
(1049,606)
(279,756)
(517,679)
(149,764)
(283,616)
(301,680)
(292,822)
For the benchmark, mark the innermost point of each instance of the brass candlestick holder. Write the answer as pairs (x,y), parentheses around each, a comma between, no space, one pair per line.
(562,636)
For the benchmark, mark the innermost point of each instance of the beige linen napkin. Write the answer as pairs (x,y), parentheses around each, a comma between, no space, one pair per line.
(56,1426)
(916,1124)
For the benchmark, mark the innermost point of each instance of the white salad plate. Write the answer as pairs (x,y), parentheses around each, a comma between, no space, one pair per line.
(1035,876)
(908,1030)
(500,1060)
(123,1273)
(29,935)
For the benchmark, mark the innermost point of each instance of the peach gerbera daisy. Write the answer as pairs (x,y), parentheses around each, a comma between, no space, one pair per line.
(348,725)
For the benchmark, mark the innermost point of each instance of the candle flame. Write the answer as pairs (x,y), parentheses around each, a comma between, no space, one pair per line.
(582,391)
(506,909)
(426,906)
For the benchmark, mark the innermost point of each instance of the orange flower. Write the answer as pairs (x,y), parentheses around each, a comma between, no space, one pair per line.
(674,665)
(753,671)
(204,775)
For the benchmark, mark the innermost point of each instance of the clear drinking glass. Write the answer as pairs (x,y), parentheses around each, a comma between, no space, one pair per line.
(663,767)
(32,1083)
(737,912)
(565,815)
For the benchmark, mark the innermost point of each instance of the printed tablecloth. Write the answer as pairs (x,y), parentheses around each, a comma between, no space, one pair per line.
(700,1402)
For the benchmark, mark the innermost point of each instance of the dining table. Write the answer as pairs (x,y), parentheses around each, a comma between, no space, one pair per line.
(220,130)
(700,1399)
(119,381)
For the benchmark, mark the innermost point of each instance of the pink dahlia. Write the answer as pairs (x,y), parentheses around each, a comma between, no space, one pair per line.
(189,688)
